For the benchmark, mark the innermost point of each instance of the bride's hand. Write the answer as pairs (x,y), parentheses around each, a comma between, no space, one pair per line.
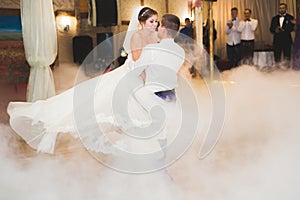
(143,75)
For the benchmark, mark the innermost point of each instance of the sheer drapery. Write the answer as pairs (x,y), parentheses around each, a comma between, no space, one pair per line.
(198,25)
(261,10)
(40,43)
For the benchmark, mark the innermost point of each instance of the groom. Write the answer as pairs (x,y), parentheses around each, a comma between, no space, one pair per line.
(158,66)
(159,63)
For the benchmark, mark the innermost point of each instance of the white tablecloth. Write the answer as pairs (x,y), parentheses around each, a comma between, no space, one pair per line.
(264,59)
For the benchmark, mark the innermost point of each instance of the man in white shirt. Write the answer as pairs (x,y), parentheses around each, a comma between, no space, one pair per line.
(247,28)
(233,39)
(158,65)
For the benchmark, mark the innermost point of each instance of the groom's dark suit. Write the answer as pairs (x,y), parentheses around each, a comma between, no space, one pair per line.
(282,40)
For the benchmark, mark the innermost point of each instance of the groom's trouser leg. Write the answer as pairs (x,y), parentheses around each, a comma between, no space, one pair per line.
(149,100)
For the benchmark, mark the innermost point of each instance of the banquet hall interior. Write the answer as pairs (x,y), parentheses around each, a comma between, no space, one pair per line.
(249,115)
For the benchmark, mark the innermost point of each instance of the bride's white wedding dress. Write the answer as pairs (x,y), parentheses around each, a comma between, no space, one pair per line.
(89,110)
(39,123)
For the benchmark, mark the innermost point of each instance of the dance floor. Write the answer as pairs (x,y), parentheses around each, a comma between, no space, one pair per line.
(255,157)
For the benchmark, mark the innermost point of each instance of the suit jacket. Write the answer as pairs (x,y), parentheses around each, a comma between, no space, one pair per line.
(284,36)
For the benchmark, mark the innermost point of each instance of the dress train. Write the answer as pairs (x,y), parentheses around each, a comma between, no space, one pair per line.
(38,123)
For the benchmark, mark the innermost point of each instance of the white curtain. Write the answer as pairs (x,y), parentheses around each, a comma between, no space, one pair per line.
(40,43)
(198,25)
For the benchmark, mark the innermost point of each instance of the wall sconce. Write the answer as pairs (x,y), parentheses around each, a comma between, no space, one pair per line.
(65,21)
(67,28)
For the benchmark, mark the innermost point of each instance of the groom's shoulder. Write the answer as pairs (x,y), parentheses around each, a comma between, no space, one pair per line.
(180,49)
(154,46)
(174,47)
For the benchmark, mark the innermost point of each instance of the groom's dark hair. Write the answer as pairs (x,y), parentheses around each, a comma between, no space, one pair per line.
(172,23)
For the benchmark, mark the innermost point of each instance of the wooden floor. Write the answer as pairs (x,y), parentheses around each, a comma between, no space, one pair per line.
(64,78)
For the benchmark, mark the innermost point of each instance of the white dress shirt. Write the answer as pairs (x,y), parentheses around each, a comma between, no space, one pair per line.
(247,28)
(233,36)
(281,20)
(161,63)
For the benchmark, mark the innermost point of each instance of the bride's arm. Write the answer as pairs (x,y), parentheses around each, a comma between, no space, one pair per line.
(143,75)
(136,46)
(145,59)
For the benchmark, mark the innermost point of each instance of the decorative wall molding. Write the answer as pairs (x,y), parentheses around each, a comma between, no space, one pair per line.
(57,4)
(63,4)
(10,4)
(10,11)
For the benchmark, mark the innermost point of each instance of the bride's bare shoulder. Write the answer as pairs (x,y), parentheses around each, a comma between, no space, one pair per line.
(139,39)
(137,36)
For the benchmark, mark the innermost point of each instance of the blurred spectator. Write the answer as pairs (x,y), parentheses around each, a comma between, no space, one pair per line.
(206,34)
(281,27)
(188,28)
(247,27)
(233,39)
(296,56)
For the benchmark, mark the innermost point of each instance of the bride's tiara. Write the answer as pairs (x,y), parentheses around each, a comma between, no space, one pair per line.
(144,12)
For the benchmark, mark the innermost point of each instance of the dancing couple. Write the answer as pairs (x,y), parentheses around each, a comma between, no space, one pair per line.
(146,80)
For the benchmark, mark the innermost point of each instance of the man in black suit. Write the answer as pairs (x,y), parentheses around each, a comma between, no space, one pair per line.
(281,27)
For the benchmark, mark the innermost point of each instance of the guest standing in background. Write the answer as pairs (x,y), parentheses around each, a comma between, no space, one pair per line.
(247,28)
(233,39)
(281,28)
(296,50)
(188,28)
(206,34)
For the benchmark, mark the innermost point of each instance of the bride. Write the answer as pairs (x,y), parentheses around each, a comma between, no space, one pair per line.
(39,123)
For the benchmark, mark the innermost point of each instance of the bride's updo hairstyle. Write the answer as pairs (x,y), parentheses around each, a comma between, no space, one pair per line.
(145,13)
